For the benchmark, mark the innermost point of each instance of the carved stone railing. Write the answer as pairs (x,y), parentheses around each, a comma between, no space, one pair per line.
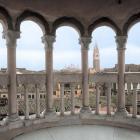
(132,79)
(27,106)
(73,79)
(37,105)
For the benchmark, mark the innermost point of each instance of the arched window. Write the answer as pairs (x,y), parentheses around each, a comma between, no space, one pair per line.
(3,50)
(67,49)
(133,49)
(103,37)
(102,58)
(30,49)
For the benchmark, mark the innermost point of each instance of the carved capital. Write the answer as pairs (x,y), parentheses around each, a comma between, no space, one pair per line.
(85,41)
(48,40)
(11,38)
(121,42)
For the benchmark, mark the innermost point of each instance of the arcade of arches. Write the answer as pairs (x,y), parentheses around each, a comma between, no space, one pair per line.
(120,16)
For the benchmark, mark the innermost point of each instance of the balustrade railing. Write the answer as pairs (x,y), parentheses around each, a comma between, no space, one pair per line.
(132,80)
(34,84)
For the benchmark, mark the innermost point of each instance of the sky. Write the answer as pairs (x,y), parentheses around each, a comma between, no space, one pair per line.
(30,51)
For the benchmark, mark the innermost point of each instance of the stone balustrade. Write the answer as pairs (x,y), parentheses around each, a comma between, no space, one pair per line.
(37,105)
(33,109)
(132,80)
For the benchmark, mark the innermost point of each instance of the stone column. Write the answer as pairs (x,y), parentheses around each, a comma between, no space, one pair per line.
(62,109)
(85,41)
(108,94)
(73,98)
(134,100)
(37,101)
(11,40)
(121,42)
(26,100)
(97,98)
(48,41)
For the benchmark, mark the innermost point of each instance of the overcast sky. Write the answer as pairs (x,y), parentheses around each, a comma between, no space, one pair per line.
(67,51)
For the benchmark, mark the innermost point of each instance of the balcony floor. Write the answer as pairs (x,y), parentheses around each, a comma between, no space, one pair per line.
(81,132)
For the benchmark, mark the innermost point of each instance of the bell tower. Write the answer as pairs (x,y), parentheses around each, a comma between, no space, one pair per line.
(96,58)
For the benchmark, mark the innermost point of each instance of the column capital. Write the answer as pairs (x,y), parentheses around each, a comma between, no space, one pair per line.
(85,41)
(121,42)
(11,37)
(48,40)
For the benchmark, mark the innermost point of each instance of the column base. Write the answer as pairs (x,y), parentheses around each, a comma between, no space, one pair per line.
(121,112)
(50,115)
(85,112)
(72,112)
(85,109)
(62,114)
(13,118)
(14,121)
(134,116)
(49,111)
(38,116)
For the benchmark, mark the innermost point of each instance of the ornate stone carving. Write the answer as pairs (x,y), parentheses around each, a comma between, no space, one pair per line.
(48,40)
(121,42)
(11,37)
(85,41)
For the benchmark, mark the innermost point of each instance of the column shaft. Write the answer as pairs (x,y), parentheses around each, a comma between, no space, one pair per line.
(134,100)
(62,108)
(11,38)
(72,98)
(108,94)
(84,56)
(97,98)
(121,41)
(48,41)
(26,100)
(37,101)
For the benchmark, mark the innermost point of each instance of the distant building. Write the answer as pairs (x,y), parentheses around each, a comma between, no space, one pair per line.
(128,68)
(96,58)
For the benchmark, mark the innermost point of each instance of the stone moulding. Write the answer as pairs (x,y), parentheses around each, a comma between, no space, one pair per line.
(7,132)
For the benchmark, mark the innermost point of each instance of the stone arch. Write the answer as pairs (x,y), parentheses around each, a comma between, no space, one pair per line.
(130,22)
(36,17)
(104,21)
(68,21)
(5,19)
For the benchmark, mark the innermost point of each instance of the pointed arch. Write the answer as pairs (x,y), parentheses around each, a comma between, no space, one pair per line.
(104,21)
(5,19)
(130,22)
(36,17)
(70,21)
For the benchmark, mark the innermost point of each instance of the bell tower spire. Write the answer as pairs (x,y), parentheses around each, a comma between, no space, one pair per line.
(96,58)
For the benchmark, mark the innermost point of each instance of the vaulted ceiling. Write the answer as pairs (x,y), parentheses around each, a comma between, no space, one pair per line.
(86,11)
(83,9)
